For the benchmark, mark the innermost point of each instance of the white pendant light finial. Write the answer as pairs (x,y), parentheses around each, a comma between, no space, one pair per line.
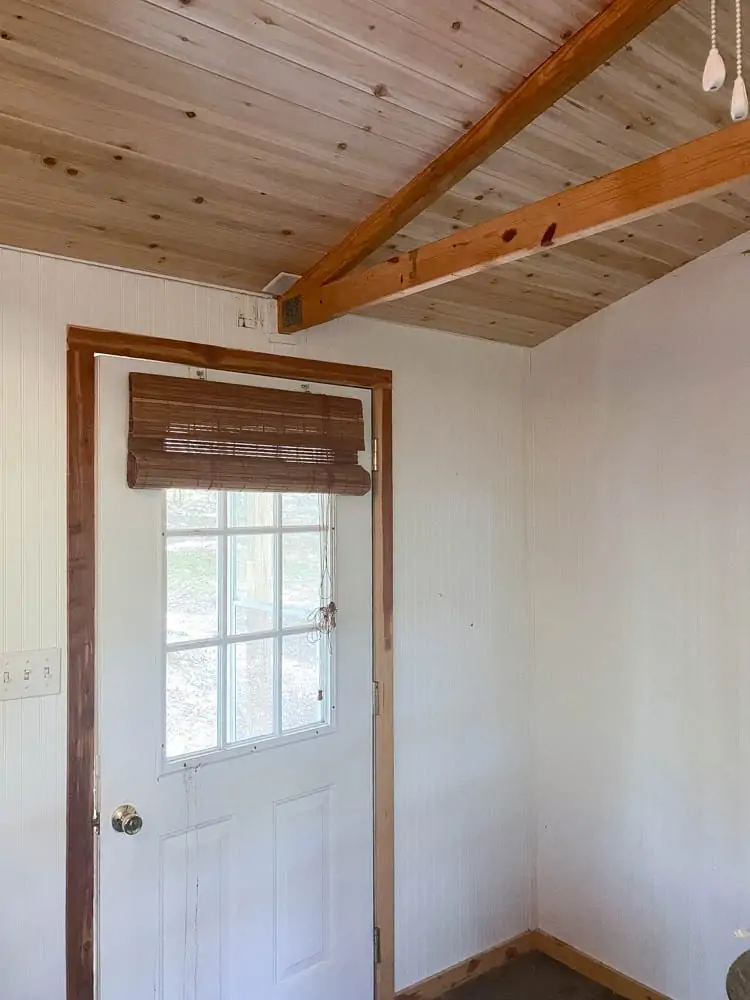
(739,106)
(714,72)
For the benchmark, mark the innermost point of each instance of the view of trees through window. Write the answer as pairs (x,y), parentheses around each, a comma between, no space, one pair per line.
(244,577)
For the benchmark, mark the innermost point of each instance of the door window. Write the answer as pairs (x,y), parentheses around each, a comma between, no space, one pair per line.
(248,582)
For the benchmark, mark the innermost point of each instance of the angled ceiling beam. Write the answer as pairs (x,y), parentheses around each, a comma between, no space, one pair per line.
(694,170)
(576,58)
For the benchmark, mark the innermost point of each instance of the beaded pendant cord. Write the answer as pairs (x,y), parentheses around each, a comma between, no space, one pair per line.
(715,73)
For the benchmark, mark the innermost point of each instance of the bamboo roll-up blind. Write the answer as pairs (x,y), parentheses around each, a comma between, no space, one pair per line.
(194,434)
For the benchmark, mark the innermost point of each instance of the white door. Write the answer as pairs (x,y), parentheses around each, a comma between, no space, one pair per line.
(242,741)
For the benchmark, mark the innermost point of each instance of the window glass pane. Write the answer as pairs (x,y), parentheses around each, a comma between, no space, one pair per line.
(192,701)
(251,666)
(192,588)
(251,583)
(301,685)
(301,508)
(250,509)
(301,576)
(192,509)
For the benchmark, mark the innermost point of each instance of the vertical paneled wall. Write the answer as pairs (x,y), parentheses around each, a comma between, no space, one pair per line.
(641,437)
(462,630)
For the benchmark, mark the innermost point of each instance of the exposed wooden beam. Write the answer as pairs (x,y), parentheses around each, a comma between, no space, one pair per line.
(694,170)
(576,58)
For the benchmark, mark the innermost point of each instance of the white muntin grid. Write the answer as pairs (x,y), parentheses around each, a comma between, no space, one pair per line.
(226,640)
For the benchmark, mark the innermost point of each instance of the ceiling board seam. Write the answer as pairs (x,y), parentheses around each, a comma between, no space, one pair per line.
(112,80)
(84,140)
(394,10)
(516,20)
(221,76)
(388,99)
(77,69)
(419,26)
(190,15)
(134,235)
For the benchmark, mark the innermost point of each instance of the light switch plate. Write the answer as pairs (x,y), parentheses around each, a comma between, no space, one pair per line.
(30,674)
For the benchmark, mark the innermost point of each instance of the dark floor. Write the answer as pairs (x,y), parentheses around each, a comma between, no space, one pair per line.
(531,977)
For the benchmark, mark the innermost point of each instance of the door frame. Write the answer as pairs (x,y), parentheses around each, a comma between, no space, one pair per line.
(82,820)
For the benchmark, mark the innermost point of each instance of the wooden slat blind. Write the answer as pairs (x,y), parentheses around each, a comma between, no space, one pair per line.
(194,434)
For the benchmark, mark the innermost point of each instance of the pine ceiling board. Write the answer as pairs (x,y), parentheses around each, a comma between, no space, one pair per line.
(632,91)
(202,231)
(150,133)
(592,144)
(592,282)
(250,90)
(660,71)
(596,286)
(101,109)
(485,30)
(682,37)
(526,165)
(694,226)
(586,284)
(554,19)
(528,300)
(367,28)
(735,202)
(536,293)
(31,229)
(418,310)
(68,162)
(167,237)
(631,120)
(522,302)
(289,55)
(617,256)
(672,238)
(641,247)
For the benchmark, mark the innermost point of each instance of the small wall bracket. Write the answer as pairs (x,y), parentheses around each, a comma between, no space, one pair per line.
(291,311)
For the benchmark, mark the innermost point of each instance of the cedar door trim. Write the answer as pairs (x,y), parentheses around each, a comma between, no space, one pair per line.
(83,346)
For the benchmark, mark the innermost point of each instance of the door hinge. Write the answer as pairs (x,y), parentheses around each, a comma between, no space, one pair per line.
(375,454)
(376,944)
(95,819)
(376,698)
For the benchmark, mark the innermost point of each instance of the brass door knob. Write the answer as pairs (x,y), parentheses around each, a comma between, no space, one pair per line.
(125,819)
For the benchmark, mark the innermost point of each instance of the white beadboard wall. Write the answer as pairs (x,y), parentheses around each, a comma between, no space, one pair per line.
(641,576)
(463,768)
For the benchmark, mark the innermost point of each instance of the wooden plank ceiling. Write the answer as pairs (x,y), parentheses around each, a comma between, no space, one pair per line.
(225,141)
